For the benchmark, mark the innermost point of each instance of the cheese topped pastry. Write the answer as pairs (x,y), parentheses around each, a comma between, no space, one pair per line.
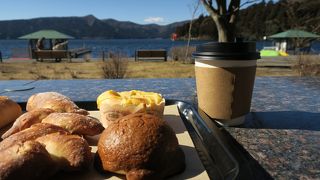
(114,105)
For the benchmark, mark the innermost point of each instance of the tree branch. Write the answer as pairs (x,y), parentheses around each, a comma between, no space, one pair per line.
(195,9)
(233,10)
(210,9)
(224,6)
(235,5)
(221,4)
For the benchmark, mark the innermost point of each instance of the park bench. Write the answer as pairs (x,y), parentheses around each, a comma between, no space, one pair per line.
(151,54)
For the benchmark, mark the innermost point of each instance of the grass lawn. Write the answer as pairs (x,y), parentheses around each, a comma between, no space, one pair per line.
(94,70)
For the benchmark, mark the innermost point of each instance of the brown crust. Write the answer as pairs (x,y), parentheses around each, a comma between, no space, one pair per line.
(55,101)
(75,123)
(9,111)
(140,142)
(71,152)
(28,160)
(26,120)
(31,133)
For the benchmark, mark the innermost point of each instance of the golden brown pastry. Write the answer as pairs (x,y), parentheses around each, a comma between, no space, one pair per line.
(75,123)
(26,120)
(9,111)
(28,160)
(35,131)
(114,105)
(141,146)
(55,101)
(70,152)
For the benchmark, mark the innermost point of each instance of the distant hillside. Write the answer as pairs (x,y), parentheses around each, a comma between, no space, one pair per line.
(86,27)
(263,19)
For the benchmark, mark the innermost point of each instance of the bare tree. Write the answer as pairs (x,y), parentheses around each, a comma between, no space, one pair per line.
(297,21)
(224,15)
(194,10)
(116,67)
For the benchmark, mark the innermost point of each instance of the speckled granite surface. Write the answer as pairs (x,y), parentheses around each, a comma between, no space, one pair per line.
(88,90)
(285,154)
(282,133)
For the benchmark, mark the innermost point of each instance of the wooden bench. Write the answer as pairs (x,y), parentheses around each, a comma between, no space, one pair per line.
(151,54)
(52,54)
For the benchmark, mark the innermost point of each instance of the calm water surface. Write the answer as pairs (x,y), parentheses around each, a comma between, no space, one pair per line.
(18,48)
(10,48)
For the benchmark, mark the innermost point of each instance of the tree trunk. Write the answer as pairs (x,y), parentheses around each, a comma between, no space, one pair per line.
(225,30)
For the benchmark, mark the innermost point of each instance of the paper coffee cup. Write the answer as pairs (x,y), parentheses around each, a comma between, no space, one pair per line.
(225,74)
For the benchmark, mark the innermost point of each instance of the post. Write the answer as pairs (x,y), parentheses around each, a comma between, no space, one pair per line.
(103,56)
(135,55)
(0,57)
(165,55)
(69,57)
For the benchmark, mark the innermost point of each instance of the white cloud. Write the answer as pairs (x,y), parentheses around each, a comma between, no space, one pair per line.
(154,20)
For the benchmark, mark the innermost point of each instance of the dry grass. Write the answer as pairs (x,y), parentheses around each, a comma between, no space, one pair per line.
(308,65)
(159,70)
(93,69)
(178,53)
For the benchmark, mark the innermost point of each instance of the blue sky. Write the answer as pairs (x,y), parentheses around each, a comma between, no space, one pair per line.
(138,11)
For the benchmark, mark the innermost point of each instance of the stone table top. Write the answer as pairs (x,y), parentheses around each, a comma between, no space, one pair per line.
(281,133)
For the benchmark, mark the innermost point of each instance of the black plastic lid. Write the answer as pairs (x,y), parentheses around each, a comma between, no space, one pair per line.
(227,51)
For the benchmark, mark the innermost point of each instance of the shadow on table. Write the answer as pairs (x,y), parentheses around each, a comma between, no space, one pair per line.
(283,120)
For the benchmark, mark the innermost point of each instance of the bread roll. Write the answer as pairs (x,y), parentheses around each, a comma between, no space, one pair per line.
(26,120)
(35,131)
(140,145)
(114,105)
(70,152)
(54,101)
(9,111)
(27,160)
(75,123)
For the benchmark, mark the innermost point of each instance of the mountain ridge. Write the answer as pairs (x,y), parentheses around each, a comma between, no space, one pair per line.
(87,27)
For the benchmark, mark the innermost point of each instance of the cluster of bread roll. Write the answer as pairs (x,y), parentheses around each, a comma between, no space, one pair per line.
(137,142)
(48,138)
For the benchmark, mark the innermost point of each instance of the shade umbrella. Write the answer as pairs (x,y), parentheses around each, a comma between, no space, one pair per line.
(48,34)
(293,33)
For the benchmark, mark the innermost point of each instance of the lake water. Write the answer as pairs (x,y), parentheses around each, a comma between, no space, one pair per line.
(18,48)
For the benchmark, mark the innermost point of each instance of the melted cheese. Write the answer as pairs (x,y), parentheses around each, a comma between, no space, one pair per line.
(134,97)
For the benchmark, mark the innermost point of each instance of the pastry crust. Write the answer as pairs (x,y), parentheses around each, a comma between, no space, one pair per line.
(27,160)
(140,145)
(70,152)
(9,111)
(55,101)
(26,120)
(35,131)
(75,123)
